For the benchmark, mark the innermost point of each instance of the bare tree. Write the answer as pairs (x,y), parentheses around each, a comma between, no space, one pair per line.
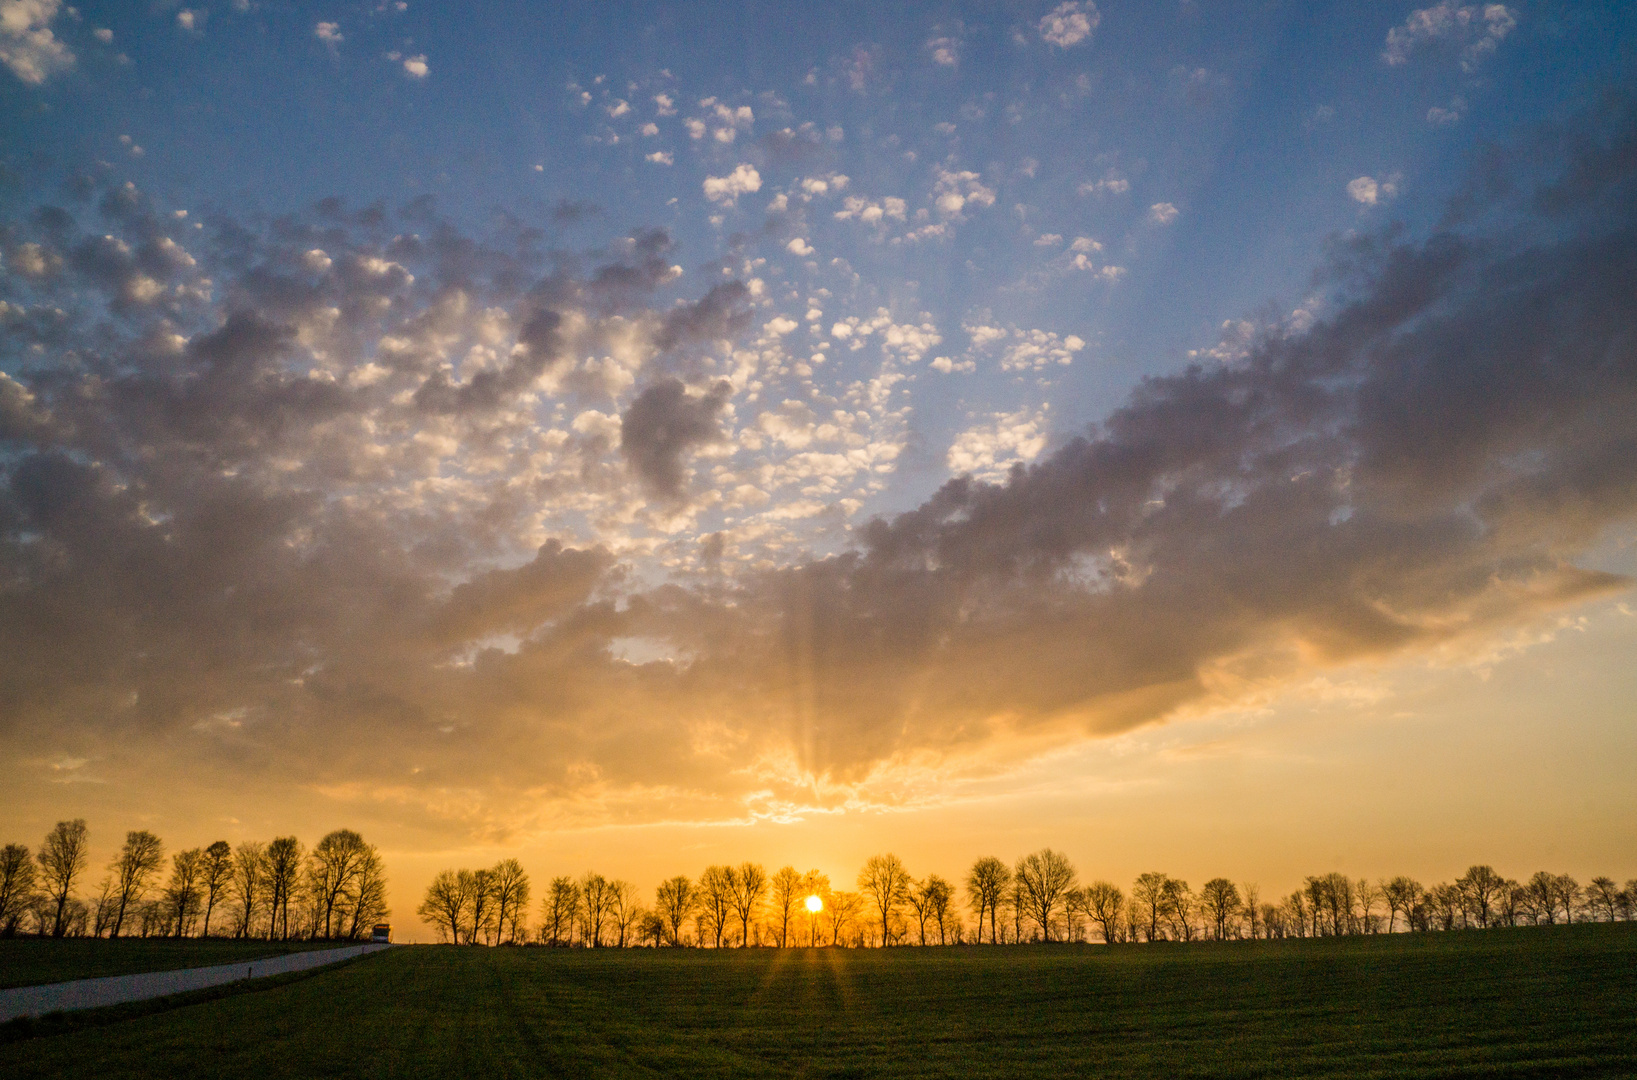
(283,870)
(787,896)
(1253,910)
(623,908)
(885,881)
(560,910)
(749,886)
(1103,902)
(445,904)
(369,897)
(1148,902)
(1401,893)
(717,886)
(17,875)
(182,894)
(1221,902)
(249,882)
(1566,892)
(133,868)
(840,909)
(1602,894)
(985,886)
(938,894)
(215,873)
(1178,901)
(676,898)
(479,887)
(920,903)
(333,868)
(1045,877)
(511,889)
(1481,888)
(62,858)
(1368,896)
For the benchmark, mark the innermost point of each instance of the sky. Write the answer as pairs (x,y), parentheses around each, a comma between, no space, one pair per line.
(1197,437)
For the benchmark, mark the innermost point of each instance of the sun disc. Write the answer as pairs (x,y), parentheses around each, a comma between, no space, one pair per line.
(814,904)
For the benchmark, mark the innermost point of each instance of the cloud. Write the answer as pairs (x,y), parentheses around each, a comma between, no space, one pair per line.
(662,425)
(192,20)
(1480,28)
(661,157)
(402,510)
(1162,213)
(945,51)
(1368,191)
(415,66)
(1070,23)
(743,180)
(987,450)
(799,246)
(954,191)
(329,33)
(28,47)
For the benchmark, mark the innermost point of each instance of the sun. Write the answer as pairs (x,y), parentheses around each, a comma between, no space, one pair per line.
(814,904)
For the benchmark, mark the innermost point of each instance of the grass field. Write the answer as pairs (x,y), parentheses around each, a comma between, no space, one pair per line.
(1548,1002)
(31,961)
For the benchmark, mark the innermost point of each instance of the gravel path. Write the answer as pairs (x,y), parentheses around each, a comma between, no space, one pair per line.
(118,989)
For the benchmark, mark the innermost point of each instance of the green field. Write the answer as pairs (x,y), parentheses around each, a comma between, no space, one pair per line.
(32,961)
(1549,1002)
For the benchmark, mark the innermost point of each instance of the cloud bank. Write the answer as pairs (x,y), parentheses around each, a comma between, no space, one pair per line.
(358,489)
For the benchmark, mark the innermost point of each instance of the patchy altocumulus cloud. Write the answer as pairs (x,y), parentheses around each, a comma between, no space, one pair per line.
(375,495)
(28,47)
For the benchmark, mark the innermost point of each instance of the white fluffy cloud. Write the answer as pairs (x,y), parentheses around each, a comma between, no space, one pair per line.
(1482,27)
(1368,191)
(955,191)
(27,45)
(415,66)
(1070,23)
(1162,213)
(799,246)
(945,51)
(988,449)
(726,189)
(329,33)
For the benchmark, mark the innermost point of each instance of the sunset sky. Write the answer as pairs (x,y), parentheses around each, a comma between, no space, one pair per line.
(1199,437)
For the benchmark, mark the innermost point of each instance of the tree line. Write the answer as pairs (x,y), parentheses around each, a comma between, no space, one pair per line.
(1039,898)
(278,890)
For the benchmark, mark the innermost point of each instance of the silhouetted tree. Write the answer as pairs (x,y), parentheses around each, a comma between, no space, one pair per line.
(1221,901)
(986,884)
(479,887)
(333,868)
(369,897)
(17,877)
(511,889)
(1103,903)
(717,886)
(62,858)
(623,908)
(1401,894)
(1253,910)
(1603,895)
(132,870)
(938,895)
(1177,901)
(1148,902)
(283,872)
(749,886)
(787,897)
(182,894)
(249,883)
(445,903)
(814,883)
(560,910)
(885,881)
(215,873)
(1482,888)
(1045,877)
(840,909)
(675,900)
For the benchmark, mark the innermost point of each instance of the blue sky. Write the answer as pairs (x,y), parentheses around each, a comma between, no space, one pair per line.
(777,415)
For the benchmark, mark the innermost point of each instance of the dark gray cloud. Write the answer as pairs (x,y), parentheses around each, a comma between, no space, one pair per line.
(662,425)
(243,534)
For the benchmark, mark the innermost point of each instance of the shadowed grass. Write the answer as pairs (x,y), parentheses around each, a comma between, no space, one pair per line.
(1539,1002)
(33,961)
